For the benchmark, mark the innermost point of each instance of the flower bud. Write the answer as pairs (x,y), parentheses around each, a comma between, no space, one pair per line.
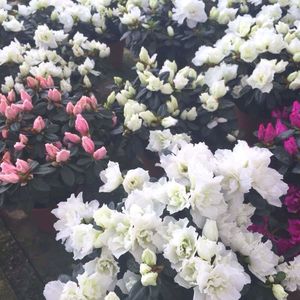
(111,296)
(69,108)
(210,230)
(51,150)
(27,105)
(149,279)
(81,125)
(118,80)
(71,137)
(38,124)
(149,257)
(31,82)
(170,31)
(11,96)
(88,145)
(22,166)
(62,156)
(168,122)
(279,292)
(144,56)
(111,98)
(54,95)
(25,96)
(100,153)
(144,269)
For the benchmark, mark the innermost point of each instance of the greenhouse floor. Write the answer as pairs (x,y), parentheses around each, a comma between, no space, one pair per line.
(28,259)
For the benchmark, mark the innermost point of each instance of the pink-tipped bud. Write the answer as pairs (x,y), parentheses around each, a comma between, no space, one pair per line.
(261,132)
(19,146)
(11,96)
(32,82)
(62,155)
(51,150)
(38,124)
(23,138)
(78,108)
(3,105)
(42,82)
(11,112)
(54,95)
(93,102)
(100,153)
(280,127)
(73,138)
(290,146)
(270,134)
(27,105)
(9,178)
(7,167)
(88,145)
(22,166)
(6,157)
(81,125)
(50,82)
(114,120)
(70,108)
(25,96)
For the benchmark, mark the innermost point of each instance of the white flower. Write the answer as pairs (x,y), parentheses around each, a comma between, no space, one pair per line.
(149,257)
(210,230)
(133,17)
(46,38)
(206,249)
(191,10)
(53,290)
(149,279)
(111,296)
(168,122)
(133,123)
(279,292)
(292,271)
(241,25)
(91,286)
(218,89)
(135,179)
(13,25)
(111,177)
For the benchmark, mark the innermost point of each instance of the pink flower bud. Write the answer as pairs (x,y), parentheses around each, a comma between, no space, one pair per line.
(78,108)
(280,127)
(4,133)
(62,155)
(93,102)
(6,157)
(19,146)
(295,114)
(31,82)
(50,82)
(54,95)
(25,96)
(88,145)
(3,106)
(269,134)
(51,150)
(9,178)
(27,105)
(100,153)
(7,167)
(23,138)
(58,144)
(11,96)
(69,108)
(290,145)
(71,137)
(81,125)
(296,106)
(38,124)
(114,120)
(11,112)
(22,166)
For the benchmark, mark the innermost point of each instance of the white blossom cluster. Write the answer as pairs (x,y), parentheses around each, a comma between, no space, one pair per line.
(209,191)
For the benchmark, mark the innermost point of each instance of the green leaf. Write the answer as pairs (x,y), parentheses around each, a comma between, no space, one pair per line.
(296,169)
(280,276)
(282,155)
(286,134)
(44,169)
(67,176)
(40,184)
(4,188)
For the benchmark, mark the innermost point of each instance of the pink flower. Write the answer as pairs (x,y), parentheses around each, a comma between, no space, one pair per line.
(290,145)
(23,138)
(3,105)
(38,124)
(73,138)
(7,167)
(81,125)
(6,157)
(50,82)
(294,229)
(11,96)
(279,127)
(266,135)
(54,95)
(9,178)
(93,102)
(27,105)
(12,112)
(78,108)
(88,145)
(31,82)
(100,153)
(4,133)
(25,96)
(62,156)
(22,166)
(46,83)
(295,114)
(51,150)
(292,199)
(70,108)
(19,146)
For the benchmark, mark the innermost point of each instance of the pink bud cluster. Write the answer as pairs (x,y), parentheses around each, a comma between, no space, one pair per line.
(55,153)
(18,173)
(83,104)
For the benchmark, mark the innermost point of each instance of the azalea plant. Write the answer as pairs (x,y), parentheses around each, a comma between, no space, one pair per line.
(184,236)
(178,99)
(262,42)
(170,28)
(52,144)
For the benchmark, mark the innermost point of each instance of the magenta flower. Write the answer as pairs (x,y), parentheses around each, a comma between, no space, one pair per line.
(294,229)
(295,114)
(280,127)
(290,145)
(292,199)
(266,135)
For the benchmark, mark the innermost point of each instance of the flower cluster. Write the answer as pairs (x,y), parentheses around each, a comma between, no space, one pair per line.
(185,232)
(49,141)
(281,136)
(179,99)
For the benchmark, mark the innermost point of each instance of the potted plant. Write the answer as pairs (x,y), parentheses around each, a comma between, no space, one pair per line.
(164,240)
(52,144)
